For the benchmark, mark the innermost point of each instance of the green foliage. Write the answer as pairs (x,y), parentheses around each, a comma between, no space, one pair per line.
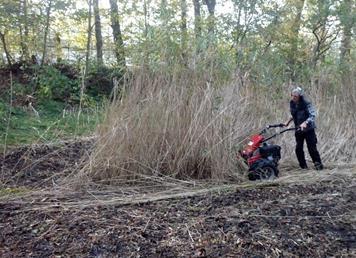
(100,80)
(259,41)
(52,84)
(8,9)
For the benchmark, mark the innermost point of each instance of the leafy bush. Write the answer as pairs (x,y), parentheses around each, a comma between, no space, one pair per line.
(52,84)
(59,82)
(100,80)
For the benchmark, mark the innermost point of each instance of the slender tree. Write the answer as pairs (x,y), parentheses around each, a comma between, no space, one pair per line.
(89,32)
(165,32)
(9,13)
(322,30)
(24,29)
(197,25)
(146,5)
(58,46)
(211,19)
(347,19)
(184,31)
(7,53)
(48,16)
(245,16)
(118,41)
(197,19)
(294,38)
(98,35)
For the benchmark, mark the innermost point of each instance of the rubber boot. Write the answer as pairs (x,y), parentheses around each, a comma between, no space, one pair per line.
(318,166)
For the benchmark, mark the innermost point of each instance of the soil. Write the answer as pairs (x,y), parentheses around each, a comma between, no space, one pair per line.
(41,165)
(282,218)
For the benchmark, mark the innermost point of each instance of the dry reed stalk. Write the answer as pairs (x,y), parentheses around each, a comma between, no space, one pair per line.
(82,89)
(66,198)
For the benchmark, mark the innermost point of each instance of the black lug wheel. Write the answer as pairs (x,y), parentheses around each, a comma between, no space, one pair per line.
(264,173)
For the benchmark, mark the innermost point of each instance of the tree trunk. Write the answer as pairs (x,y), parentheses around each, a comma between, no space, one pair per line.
(146,5)
(98,35)
(165,40)
(184,31)
(22,42)
(238,34)
(347,22)
(197,19)
(25,43)
(23,27)
(48,15)
(345,48)
(58,47)
(3,41)
(211,20)
(118,41)
(87,53)
(320,32)
(293,53)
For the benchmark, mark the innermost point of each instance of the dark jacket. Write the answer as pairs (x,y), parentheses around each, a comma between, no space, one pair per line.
(303,111)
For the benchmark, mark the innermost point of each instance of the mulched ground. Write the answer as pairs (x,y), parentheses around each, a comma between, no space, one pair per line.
(268,220)
(40,165)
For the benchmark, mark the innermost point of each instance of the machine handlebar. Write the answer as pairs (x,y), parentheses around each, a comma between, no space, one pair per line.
(281,132)
(274,126)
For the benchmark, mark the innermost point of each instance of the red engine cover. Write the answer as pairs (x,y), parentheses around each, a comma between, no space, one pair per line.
(252,145)
(253,159)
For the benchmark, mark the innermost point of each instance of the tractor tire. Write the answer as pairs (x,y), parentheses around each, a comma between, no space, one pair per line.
(265,172)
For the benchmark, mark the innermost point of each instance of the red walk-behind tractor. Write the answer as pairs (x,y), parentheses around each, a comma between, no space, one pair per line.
(261,157)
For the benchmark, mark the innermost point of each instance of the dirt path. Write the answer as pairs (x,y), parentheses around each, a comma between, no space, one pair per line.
(298,215)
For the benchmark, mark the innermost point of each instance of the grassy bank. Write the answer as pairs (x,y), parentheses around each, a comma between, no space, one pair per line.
(53,121)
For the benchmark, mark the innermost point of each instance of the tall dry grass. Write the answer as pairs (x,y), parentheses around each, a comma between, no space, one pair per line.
(165,125)
(337,118)
(180,126)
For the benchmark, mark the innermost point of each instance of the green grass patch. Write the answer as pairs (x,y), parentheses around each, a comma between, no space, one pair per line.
(55,121)
(12,191)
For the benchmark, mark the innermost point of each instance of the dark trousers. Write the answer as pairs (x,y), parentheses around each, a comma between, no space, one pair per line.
(310,138)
